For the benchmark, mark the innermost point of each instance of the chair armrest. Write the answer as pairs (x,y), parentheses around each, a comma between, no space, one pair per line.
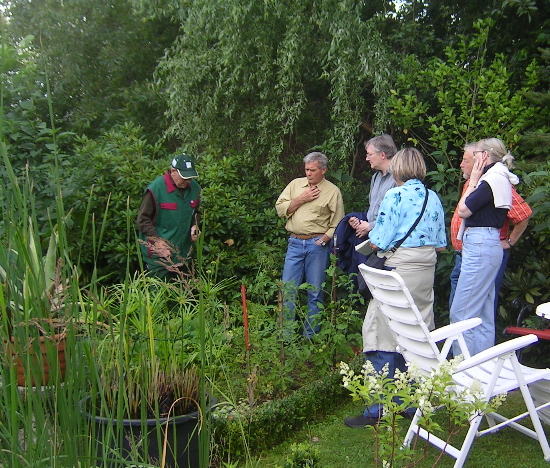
(454,329)
(497,351)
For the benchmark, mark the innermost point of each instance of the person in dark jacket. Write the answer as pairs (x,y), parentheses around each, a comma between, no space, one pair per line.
(345,241)
(168,218)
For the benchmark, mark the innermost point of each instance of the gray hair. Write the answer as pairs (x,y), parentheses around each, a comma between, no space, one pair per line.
(321,159)
(383,143)
(497,151)
(468,147)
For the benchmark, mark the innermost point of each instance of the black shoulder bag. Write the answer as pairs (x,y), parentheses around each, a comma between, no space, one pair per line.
(374,261)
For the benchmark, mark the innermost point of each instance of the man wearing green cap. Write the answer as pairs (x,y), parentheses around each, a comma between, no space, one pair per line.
(168,218)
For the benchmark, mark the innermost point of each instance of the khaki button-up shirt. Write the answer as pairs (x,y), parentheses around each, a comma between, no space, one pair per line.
(320,216)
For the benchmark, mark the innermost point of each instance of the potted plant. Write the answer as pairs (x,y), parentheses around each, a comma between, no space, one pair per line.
(36,314)
(35,269)
(144,400)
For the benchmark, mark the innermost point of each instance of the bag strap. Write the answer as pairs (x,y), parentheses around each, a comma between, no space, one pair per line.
(398,243)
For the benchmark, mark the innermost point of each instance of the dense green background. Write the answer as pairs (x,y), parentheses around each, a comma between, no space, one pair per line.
(112,89)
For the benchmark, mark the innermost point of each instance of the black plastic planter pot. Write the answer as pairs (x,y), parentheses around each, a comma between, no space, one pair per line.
(142,441)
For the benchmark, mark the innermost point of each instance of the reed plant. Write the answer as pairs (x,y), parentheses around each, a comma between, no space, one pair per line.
(148,352)
(138,348)
(39,299)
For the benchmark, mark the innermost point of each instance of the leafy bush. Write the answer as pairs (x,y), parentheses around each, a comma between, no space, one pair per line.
(272,387)
(303,456)
(527,273)
(275,363)
(270,423)
(464,97)
(416,389)
(243,235)
(241,226)
(31,143)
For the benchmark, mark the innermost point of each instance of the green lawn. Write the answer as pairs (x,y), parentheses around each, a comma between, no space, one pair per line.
(341,447)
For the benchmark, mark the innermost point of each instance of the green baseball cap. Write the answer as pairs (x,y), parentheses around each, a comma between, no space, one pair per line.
(185,165)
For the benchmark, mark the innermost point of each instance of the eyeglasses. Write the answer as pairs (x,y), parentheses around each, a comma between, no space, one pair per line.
(478,151)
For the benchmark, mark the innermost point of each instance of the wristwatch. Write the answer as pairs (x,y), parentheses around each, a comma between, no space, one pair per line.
(322,242)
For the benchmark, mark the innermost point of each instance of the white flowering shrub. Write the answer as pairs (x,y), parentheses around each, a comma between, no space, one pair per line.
(413,389)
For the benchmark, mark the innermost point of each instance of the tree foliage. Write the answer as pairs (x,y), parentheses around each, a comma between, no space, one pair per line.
(250,86)
(275,78)
(459,99)
(100,57)
(31,140)
(462,98)
(518,23)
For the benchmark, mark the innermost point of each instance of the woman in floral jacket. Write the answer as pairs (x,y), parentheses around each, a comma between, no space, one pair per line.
(414,259)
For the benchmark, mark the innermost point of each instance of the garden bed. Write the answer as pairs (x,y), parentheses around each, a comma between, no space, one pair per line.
(251,430)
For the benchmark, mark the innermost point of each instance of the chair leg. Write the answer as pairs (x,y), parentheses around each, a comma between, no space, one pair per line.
(541,436)
(459,454)
(412,428)
(491,421)
(468,441)
(528,399)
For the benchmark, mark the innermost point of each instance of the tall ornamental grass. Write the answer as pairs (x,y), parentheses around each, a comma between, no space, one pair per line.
(39,297)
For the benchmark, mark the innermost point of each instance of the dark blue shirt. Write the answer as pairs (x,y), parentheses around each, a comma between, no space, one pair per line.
(484,214)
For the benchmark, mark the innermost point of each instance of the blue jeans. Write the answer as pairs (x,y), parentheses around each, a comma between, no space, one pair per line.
(498,280)
(454,277)
(378,360)
(475,290)
(305,260)
(500,276)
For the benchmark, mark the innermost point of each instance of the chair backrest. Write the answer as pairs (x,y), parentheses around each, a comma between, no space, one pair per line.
(403,317)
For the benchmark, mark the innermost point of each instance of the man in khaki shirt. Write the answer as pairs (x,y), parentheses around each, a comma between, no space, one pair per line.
(313,207)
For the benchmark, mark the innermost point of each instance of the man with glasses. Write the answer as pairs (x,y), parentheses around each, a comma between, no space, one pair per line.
(380,149)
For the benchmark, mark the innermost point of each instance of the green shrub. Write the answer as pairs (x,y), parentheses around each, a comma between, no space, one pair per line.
(32,145)
(241,226)
(243,235)
(303,455)
(527,273)
(275,363)
(270,423)
(441,105)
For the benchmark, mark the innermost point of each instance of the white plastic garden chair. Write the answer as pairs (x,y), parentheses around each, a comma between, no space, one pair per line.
(497,369)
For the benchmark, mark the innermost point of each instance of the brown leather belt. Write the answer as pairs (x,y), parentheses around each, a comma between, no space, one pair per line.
(305,236)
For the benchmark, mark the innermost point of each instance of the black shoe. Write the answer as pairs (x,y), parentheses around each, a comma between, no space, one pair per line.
(360,422)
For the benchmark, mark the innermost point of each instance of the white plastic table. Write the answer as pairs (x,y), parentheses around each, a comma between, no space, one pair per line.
(543,310)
